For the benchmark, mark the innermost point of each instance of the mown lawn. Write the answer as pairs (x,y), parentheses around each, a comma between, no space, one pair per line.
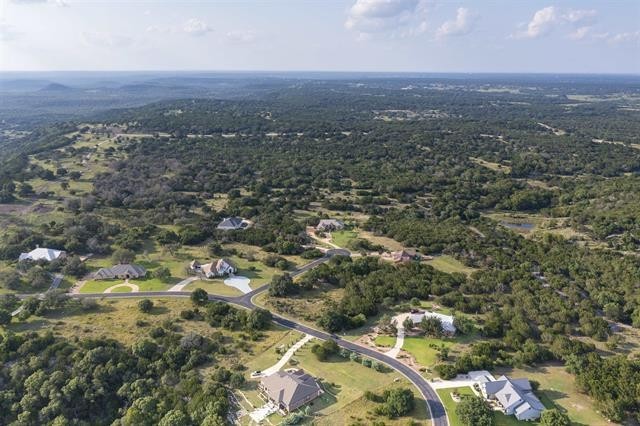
(448,264)
(216,287)
(148,284)
(558,388)
(344,382)
(342,238)
(450,405)
(419,347)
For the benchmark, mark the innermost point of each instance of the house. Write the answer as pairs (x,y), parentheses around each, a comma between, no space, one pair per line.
(123,271)
(218,268)
(447,320)
(289,390)
(41,253)
(327,225)
(515,397)
(404,256)
(232,223)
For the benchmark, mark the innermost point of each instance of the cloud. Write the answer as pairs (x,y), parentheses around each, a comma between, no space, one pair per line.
(627,37)
(462,24)
(240,37)
(541,23)
(578,16)
(105,39)
(547,19)
(196,27)
(580,33)
(373,16)
(8,32)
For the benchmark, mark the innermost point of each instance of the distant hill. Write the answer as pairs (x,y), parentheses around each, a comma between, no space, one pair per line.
(55,87)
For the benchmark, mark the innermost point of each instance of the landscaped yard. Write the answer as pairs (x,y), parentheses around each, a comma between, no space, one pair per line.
(557,387)
(344,381)
(450,405)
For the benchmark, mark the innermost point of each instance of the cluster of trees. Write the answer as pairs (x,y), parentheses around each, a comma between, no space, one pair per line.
(396,402)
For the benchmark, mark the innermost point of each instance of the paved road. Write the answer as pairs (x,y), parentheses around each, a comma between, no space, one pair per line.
(438,413)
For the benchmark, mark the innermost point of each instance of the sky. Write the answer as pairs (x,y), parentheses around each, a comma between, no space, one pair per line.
(583,36)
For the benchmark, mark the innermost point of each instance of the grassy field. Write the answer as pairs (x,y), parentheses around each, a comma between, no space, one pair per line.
(148,284)
(344,382)
(343,238)
(216,287)
(496,167)
(419,347)
(448,264)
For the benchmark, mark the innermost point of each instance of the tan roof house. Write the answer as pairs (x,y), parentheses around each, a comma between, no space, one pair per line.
(290,390)
(218,268)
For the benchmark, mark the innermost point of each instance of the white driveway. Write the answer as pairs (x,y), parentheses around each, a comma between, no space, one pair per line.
(182,284)
(281,363)
(395,351)
(239,282)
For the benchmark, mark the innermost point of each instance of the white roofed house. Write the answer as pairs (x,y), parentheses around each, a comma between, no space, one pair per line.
(232,223)
(41,253)
(515,397)
(446,320)
(218,268)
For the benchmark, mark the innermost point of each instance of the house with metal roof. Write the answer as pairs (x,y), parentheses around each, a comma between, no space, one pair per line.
(515,397)
(232,223)
(290,390)
(41,253)
(123,271)
(446,320)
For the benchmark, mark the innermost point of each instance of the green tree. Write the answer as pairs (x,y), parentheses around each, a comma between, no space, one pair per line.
(123,256)
(5,317)
(554,417)
(199,297)
(473,411)
(162,273)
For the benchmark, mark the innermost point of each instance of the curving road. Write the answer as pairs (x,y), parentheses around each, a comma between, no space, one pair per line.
(436,409)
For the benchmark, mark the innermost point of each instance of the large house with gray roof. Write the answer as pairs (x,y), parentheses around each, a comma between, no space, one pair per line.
(515,397)
(122,271)
(290,390)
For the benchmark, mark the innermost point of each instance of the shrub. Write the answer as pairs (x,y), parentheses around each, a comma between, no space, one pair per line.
(145,306)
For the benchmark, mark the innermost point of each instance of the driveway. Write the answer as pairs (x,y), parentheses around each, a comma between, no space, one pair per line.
(182,284)
(239,282)
(395,351)
(282,362)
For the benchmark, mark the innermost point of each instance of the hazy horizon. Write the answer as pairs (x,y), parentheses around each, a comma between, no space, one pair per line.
(391,36)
